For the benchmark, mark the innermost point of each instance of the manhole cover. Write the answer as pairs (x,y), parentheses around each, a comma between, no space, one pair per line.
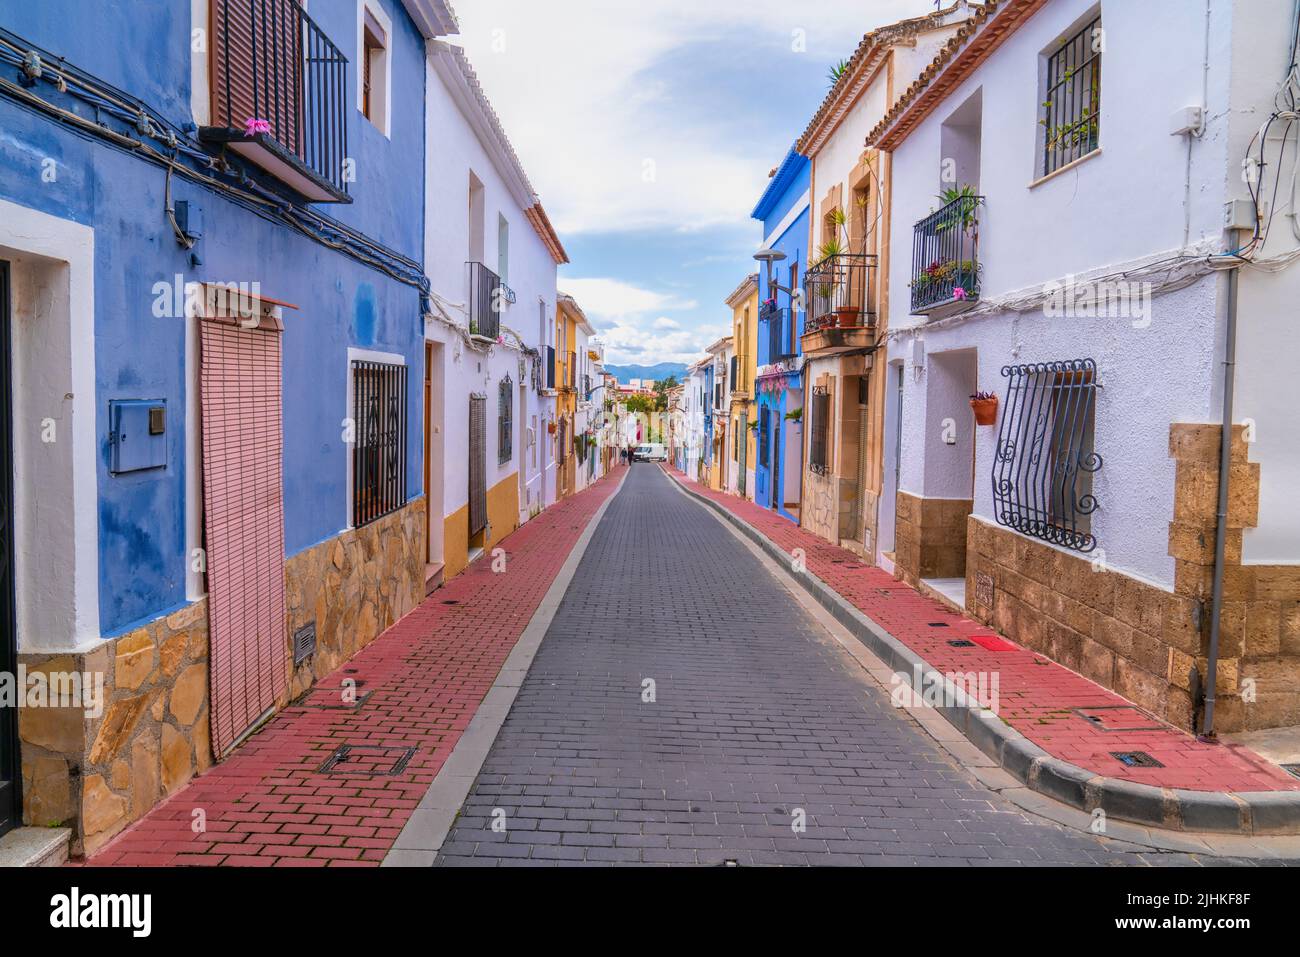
(1135,759)
(961,643)
(938,624)
(1119,717)
(367,760)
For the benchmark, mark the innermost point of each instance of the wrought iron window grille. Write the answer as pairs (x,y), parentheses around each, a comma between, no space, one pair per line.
(821,413)
(1071,103)
(1044,459)
(379,449)
(505,421)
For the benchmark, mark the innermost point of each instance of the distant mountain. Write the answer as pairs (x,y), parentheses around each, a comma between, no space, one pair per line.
(660,371)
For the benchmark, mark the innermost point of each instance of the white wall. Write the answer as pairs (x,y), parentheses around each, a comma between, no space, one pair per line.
(1129,202)
(454,151)
(1268,334)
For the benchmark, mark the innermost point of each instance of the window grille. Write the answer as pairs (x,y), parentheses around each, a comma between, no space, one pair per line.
(379,449)
(1044,460)
(505,421)
(821,413)
(1072,99)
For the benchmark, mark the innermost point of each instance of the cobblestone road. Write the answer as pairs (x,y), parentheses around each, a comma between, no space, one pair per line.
(757,717)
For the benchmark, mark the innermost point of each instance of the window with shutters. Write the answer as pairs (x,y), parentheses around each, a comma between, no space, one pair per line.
(819,427)
(505,421)
(379,440)
(373,68)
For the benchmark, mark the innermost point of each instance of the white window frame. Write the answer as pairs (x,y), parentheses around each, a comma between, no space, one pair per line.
(384,76)
(350,412)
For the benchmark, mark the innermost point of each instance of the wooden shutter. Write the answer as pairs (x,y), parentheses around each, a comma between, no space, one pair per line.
(477,463)
(243,498)
(257,66)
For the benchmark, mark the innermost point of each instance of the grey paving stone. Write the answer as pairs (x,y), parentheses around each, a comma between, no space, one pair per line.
(757,716)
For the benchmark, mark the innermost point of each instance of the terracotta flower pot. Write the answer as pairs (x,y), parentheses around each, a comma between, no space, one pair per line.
(986,410)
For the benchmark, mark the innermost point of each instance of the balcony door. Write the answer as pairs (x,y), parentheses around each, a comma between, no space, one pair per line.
(11,808)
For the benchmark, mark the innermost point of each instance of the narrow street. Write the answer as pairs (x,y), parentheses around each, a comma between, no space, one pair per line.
(756,716)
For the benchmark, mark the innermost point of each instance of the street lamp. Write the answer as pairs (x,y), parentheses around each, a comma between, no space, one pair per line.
(768,257)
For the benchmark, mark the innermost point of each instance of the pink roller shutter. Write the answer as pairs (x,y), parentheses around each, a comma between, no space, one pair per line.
(244,524)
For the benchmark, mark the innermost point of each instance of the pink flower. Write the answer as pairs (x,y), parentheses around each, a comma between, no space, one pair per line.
(253,126)
(958,292)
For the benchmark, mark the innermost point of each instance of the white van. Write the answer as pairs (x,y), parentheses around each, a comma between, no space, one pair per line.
(652,452)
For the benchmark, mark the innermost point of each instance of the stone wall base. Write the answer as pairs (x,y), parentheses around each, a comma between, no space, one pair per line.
(930,537)
(1145,642)
(98,768)
(101,764)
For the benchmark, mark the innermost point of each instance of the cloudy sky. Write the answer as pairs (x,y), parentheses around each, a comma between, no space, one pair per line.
(648,128)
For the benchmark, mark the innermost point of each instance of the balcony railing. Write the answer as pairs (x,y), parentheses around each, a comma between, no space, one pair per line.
(945,258)
(279,95)
(780,333)
(838,292)
(485,300)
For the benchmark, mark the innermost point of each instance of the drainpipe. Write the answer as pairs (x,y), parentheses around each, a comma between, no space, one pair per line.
(1221,531)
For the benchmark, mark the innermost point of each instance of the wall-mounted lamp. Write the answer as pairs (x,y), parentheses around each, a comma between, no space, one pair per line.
(769,257)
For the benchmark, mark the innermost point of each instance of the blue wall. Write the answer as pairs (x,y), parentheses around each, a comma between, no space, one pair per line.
(783,192)
(341,301)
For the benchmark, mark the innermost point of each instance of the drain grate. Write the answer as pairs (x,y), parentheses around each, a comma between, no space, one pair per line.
(961,643)
(1135,759)
(367,760)
(938,624)
(1292,769)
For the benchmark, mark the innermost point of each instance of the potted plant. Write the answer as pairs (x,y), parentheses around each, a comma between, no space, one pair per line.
(794,415)
(985,406)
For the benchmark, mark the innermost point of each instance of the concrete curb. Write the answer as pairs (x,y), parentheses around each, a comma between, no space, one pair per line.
(428,826)
(1254,813)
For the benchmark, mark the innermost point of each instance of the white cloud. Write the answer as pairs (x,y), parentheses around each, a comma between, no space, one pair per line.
(573,81)
(629,320)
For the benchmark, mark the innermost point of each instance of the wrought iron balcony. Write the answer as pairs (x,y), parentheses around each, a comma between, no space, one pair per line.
(279,95)
(780,333)
(839,293)
(485,298)
(945,259)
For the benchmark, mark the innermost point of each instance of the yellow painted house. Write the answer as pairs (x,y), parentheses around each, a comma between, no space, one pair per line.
(742,441)
(572,332)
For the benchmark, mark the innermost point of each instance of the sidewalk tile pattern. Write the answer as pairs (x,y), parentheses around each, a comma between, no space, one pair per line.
(416,688)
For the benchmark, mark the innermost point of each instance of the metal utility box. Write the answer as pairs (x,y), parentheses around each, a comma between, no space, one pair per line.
(137,434)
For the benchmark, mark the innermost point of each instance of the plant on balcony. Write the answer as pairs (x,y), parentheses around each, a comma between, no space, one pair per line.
(965,201)
(795,415)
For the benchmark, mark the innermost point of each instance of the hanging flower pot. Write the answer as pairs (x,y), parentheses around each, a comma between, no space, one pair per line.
(550,428)
(985,405)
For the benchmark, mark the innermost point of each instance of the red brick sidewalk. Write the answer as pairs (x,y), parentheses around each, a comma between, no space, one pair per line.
(418,685)
(1037,696)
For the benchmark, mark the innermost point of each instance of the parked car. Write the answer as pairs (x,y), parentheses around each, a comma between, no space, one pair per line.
(652,452)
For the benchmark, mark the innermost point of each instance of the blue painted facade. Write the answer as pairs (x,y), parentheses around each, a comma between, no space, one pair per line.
(780,392)
(341,301)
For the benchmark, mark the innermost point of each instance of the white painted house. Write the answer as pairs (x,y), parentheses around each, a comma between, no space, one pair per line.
(693,405)
(1078,275)
(491,256)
